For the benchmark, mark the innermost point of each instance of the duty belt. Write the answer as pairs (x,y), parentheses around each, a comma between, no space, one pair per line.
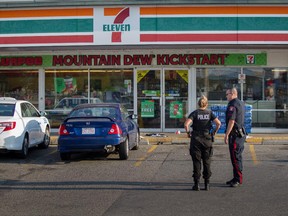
(202,133)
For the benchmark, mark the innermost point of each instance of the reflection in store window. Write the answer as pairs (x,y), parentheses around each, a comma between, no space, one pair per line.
(82,86)
(263,88)
(213,82)
(20,84)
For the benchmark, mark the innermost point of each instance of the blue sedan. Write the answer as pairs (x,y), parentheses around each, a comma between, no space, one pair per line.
(105,127)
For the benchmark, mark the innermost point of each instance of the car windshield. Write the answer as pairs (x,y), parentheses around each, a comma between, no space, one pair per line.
(7,109)
(110,112)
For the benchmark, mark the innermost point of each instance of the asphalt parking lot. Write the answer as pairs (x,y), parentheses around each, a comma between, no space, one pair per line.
(155,180)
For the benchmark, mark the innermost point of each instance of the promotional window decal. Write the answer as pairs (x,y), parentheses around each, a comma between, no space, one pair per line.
(176,109)
(148,109)
(183,74)
(65,85)
(128,85)
(141,74)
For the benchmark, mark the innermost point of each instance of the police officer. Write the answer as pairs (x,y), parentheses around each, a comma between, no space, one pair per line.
(235,134)
(200,121)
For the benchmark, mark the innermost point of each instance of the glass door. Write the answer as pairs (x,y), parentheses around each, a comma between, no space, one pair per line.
(162,97)
(175,99)
(149,99)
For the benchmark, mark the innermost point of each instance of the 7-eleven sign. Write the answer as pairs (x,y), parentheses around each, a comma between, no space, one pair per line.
(118,25)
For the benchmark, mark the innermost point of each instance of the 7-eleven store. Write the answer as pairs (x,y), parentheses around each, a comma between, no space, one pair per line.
(155,60)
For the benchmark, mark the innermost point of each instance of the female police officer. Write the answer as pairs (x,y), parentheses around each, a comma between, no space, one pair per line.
(200,121)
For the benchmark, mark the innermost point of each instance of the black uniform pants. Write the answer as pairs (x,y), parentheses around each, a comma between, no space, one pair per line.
(236,147)
(201,152)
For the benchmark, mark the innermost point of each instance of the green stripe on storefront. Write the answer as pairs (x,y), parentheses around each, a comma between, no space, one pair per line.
(214,24)
(46,26)
(244,60)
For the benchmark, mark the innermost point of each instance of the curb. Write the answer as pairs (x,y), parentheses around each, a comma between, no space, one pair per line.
(219,140)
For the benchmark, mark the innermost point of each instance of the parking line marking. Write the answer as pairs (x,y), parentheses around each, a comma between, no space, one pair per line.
(253,154)
(150,150)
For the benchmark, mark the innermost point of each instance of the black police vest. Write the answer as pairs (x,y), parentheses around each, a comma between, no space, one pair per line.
(202,120)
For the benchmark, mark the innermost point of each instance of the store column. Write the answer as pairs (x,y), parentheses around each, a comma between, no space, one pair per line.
(41,90)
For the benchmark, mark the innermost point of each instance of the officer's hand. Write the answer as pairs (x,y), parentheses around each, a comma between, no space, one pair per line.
(226,138)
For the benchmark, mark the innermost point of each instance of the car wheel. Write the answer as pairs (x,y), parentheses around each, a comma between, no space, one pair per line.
(46,141)
(124,150)
(25,146)
(65,156)
(136,147)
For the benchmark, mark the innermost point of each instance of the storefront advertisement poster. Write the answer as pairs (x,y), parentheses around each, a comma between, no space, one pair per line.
(148,109)
(128,85)
(65,85)
(176,109)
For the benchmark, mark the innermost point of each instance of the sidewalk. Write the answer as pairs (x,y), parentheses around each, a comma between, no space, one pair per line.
(172,138)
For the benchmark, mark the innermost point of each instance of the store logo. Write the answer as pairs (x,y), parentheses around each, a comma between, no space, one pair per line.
(118,27)
(250,59)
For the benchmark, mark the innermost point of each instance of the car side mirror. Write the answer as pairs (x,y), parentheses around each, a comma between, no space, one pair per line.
(43,113)
(134,117)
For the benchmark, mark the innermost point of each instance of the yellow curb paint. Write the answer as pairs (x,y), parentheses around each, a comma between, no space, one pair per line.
(150,150)
(254,140)
(253,155)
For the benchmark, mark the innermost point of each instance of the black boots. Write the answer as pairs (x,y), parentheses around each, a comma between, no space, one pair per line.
(207,184)
(196,186)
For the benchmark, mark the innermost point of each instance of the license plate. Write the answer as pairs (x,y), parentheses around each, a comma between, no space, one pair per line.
(88,130)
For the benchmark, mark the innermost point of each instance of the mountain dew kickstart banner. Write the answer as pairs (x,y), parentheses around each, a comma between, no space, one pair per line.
(59,61)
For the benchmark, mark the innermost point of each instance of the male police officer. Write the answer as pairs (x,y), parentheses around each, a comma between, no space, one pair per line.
(201,140)
(235,134)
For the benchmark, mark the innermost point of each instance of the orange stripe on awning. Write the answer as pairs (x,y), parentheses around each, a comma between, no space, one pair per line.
(112,11)
(263,10)
(213,10)
(46,13)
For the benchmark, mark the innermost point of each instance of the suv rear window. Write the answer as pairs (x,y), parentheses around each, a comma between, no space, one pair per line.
(7,109)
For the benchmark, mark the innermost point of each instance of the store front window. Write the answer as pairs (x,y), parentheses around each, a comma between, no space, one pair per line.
(213,82)
(265,89)
(66,89)
(20,84)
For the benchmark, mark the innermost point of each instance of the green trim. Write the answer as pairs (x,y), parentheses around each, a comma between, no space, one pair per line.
(263,23)
(214,24)
(241,59)
(46,26)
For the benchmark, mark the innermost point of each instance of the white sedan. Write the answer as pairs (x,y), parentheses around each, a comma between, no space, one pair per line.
(22,126)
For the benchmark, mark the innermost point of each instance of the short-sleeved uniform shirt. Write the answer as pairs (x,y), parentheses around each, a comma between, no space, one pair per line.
(235,111)
(202,119)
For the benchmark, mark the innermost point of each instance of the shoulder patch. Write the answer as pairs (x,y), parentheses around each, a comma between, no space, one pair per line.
(231,108)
